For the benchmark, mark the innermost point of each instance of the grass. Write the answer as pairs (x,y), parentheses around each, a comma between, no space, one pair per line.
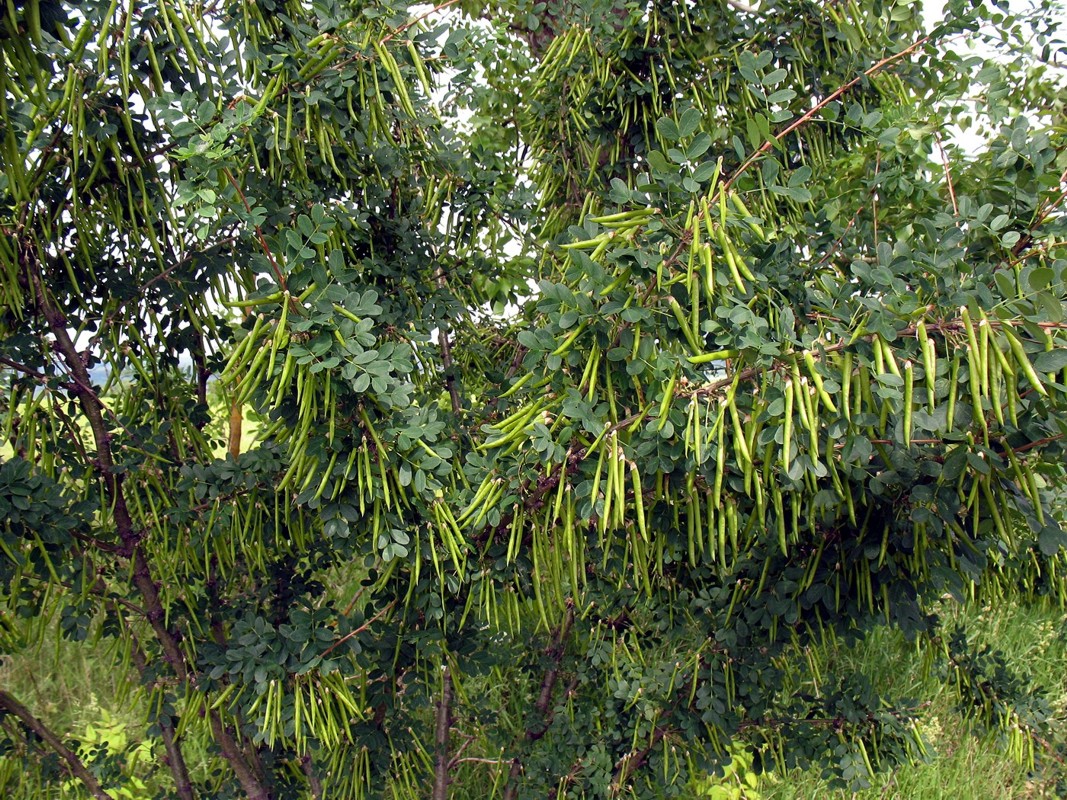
(965,761)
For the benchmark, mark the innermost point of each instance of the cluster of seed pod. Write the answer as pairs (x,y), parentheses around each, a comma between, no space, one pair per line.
(764,440)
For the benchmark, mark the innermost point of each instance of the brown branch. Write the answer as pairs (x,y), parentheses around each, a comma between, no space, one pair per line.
(278,274)
(807,116)
(543,718)
(129,536)
(1030,252)
(1047,207)
(188,257)
(40,377)
(948,176)
(634,760)
(457,756)
(74,764)
(444,723)
(314,784)
(250,783)
(358,630)
(417,20)
(174,759)
(833,248)
(233,437)
(476,760)
(1038,443)
(92,407)
(532,493)
(75,435)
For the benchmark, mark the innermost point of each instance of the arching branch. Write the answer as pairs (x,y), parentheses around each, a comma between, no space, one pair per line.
(73,764)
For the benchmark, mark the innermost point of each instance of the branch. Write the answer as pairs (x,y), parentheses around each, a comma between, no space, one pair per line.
(92,407)
(417,20)
(40,377)
(532,493)
(251,785)
(444,721)
(314,784)
(1043,211)
(278,274)
(130,537)
(948,176)
(633,761)
(457,757)
(543,719)
(358,630)
(807,116)
(174,759)
(74,764)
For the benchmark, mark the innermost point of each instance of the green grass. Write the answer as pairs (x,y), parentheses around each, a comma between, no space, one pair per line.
(965,761)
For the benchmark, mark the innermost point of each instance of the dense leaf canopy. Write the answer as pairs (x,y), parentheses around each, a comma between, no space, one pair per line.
(501,399)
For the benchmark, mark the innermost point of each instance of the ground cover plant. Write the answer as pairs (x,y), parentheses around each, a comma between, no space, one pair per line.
(612,367)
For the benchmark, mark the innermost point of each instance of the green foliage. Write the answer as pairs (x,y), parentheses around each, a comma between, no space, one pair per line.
(607,361)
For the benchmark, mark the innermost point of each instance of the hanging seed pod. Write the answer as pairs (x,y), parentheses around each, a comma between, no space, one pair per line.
(909,379)
(975,370)
(720,453)
(929,356)
(787,425)
(809,362)
(846,383)
(1015,343)
(683,324)
(779,519)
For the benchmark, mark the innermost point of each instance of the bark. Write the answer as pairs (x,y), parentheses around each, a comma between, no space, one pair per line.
(314,784)
(175,759)
(542,717)
(250,783)
(444,723)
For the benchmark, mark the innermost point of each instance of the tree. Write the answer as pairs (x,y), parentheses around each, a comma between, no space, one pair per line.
(602,357)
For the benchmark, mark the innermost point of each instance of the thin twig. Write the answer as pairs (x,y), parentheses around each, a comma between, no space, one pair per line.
(874,199)
(833,248)
(807,116)
(40,377)
(799,122)
(174,759)
(476,760)
(259,233)
(948,175)
(418,19)
(456,757)
(446,350)
(539,725)
(358,630)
